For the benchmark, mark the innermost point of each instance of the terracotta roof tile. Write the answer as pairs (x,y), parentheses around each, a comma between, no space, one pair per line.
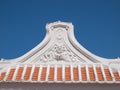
(35,74)
(99,74)
(51,74)
(27,74)
(91,74)
(67,74)
(10,75)
(19,73)
(83,73)
(2,76)
(108,75)
(58,73)
(43,74)
(116,75)
(75,73)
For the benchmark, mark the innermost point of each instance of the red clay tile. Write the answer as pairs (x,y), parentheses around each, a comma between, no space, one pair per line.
(2,76)
(51,74)
(67,74)
(27,74)
(59,73)
(116,76)
(99,73)
(19,73)
(75,74)
(10,75)
(91,74)
(59,77)
(43,74)
(107,73)
(83,73)
(35,74)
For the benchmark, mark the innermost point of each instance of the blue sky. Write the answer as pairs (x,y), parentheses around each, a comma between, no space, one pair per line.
(96,22)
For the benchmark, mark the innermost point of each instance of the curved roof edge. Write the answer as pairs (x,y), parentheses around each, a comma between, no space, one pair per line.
(60,45)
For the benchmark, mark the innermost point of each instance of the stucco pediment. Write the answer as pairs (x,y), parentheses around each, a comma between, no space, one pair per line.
(60,58)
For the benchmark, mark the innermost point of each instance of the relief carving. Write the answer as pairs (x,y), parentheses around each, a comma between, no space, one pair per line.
(59,53)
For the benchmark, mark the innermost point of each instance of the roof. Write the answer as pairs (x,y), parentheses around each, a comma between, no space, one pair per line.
(59,58)
(61,73)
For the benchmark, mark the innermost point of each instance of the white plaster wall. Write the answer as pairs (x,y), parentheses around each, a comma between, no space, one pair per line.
(58,86)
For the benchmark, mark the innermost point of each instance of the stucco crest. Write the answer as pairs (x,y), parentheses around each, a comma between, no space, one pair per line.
(59,52)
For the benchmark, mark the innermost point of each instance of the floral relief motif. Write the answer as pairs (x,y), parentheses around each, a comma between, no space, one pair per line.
(59,53)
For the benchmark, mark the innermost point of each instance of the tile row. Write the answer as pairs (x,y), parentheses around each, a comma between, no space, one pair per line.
(49,73)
